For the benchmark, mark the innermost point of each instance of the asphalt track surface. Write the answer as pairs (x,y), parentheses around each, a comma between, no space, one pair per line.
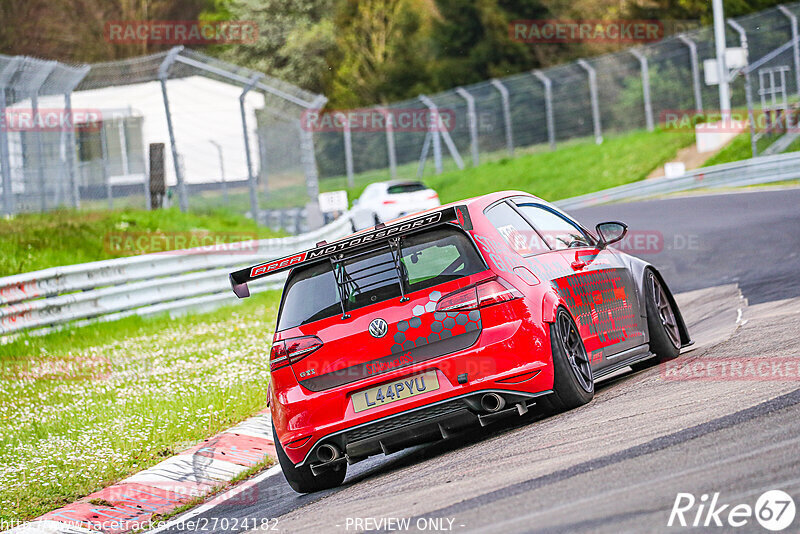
(617,464)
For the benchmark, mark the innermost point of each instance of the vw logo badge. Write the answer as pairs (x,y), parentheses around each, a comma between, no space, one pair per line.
(378,328)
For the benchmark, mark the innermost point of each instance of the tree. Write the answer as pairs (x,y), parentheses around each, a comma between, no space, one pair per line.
(74,30)
(473,43)
(295,38)
(382,51)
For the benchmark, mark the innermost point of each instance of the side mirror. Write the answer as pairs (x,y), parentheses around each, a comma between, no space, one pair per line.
(610,232)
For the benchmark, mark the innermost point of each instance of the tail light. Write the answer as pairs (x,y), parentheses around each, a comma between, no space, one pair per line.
(390,202)
(480,295)
(292,351)
(433,195)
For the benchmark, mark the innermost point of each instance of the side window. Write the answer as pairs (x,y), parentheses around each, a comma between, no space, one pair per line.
(556,230)
(519,235)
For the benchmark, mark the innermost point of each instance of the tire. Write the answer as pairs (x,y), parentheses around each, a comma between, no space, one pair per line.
(301,479)
(573,382)
(665,337)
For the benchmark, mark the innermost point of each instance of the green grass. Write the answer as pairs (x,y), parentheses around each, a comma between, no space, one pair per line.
(577,167)
(573,170)
(739,149)
(83,408)
(33,241)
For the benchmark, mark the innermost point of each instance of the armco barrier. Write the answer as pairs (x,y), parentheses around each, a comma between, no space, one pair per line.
(146,284)
(761,170)
(168,281)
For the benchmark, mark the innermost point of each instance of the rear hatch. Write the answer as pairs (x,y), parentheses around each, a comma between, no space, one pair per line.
(374,310)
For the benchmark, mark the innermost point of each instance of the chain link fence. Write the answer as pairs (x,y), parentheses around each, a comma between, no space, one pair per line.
(220,136)
(174,128)
(634,89)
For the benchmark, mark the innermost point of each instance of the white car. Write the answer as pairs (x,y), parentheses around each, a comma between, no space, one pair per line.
(384,201)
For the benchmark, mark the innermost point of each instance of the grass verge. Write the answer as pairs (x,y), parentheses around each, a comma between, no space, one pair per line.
(83,408)
(569,171)
(578,166)
(33,241)
(739,149)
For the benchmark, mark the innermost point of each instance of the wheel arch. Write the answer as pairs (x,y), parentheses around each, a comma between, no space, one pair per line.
(551,301)
(639,269)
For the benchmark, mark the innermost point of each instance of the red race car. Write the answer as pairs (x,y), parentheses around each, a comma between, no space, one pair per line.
(412,330)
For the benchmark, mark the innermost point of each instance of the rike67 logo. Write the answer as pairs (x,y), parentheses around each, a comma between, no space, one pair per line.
(774,510)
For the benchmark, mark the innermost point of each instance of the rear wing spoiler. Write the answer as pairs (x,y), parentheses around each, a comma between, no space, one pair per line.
(240,278)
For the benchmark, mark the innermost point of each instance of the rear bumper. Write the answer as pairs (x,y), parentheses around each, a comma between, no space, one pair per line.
(512,358)
(434,421)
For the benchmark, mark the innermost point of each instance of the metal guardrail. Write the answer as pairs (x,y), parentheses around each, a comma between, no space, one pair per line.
(194,278)
(761,170)
(143,285)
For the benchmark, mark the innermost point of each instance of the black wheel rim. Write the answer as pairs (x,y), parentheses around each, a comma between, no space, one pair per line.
(665,314)
(576,352)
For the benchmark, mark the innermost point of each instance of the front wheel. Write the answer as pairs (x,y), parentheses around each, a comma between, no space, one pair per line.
(301,479)
(665,337)
(573,383)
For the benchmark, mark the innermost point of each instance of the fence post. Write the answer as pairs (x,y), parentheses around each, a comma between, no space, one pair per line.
(5,159)
(106,173)
(221,170)
(598,132)
(433,132)
(390,148)
(548,107)
(251,177)
(163,75)
(747,89)
(472,122)
(41,76)
(648,108)
(313,214)
(506,115)
(262,154)
(348,149)
(795,45)
(423,155)
(70,160)
(698,95)
(438,129)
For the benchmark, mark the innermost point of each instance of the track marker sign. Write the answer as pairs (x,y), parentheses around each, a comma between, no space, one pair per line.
(333,201)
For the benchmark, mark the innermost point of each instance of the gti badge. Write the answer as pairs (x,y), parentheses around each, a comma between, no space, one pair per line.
(378,328)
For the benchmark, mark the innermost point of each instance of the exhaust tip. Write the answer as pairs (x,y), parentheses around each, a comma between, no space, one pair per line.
(327,453)
(492,402)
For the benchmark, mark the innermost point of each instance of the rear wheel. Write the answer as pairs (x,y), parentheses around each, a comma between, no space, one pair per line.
(573,383)
(665,337)
(301,479)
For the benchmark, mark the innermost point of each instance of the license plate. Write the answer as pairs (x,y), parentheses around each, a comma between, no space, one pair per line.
(395,391)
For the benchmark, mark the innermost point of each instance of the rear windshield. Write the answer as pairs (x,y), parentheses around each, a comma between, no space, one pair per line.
(409,187)
(426,259)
